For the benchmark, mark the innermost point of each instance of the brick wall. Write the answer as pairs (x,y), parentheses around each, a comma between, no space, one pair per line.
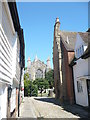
(67,76)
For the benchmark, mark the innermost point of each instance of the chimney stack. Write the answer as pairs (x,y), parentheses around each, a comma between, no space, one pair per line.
(57,20)
(57,25)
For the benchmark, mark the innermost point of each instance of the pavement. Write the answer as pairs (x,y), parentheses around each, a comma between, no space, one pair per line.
(43,107)
(27,109)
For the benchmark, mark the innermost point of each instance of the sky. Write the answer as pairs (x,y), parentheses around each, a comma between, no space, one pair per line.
(38,19)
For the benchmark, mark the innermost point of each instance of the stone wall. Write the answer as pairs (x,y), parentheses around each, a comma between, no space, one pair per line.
(56,70)
(62,71)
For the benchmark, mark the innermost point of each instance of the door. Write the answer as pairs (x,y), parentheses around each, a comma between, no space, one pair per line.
(88,89)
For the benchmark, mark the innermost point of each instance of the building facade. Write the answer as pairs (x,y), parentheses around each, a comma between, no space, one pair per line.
(81,69)
(11,59)
(63,53)
(37,68)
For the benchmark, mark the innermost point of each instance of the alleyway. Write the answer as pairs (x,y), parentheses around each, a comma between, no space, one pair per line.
(49,108)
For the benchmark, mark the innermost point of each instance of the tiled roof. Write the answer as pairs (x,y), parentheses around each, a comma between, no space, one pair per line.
(84,36)
(68,39)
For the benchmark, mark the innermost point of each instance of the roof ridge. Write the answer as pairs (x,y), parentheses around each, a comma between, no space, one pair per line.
(83,32)
(68,31)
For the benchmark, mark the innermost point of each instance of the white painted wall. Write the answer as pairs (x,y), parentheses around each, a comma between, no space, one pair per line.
(5,57)
(13,100)
(3,101)
(9,46)
(7,23)
(79,43)
(14,53)
(79,70)
(7,40)
(18,60)
(8,57)
(0,12)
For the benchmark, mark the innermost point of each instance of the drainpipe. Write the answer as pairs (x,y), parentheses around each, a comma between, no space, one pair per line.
(19,91)
(20,32)
(20,73)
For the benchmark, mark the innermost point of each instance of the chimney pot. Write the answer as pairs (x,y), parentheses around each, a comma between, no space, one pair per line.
(57,19)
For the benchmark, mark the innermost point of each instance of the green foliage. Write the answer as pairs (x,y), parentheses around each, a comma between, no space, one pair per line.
(29,88)
(26,76)
(25,68)
(34,90)
(49,77)
(41,83)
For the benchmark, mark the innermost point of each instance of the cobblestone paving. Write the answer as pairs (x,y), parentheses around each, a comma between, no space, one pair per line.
(37,107)
(48,109)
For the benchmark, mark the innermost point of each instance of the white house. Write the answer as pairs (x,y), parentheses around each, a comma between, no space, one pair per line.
(81,70)
(11,58)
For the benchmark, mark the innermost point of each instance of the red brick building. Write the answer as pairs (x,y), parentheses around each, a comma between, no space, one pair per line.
(63,53)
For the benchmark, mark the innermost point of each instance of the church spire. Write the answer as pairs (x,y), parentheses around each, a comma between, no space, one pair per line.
(28,62)
(36,58)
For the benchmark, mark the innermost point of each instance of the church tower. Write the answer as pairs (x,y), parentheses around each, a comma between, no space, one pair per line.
(48,64)
(28,63)
(36,58)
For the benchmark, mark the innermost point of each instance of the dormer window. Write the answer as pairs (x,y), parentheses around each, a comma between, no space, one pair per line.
(80,51)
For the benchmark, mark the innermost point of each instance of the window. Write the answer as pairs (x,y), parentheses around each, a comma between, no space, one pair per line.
(78,52)
(79,87)
(82,49)
(39,73)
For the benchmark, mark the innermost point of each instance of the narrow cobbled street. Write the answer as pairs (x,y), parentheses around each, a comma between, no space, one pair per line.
(37,107)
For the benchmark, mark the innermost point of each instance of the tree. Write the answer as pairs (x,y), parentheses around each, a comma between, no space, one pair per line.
(26,76)
(29,88)
(25,68)
(49,76)
(42,84)
(33,90)
(26,87)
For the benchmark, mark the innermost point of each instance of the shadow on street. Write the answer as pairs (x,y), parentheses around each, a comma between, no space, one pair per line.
(80,111)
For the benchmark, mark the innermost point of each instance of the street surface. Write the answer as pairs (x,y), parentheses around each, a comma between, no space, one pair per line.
(41,107)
